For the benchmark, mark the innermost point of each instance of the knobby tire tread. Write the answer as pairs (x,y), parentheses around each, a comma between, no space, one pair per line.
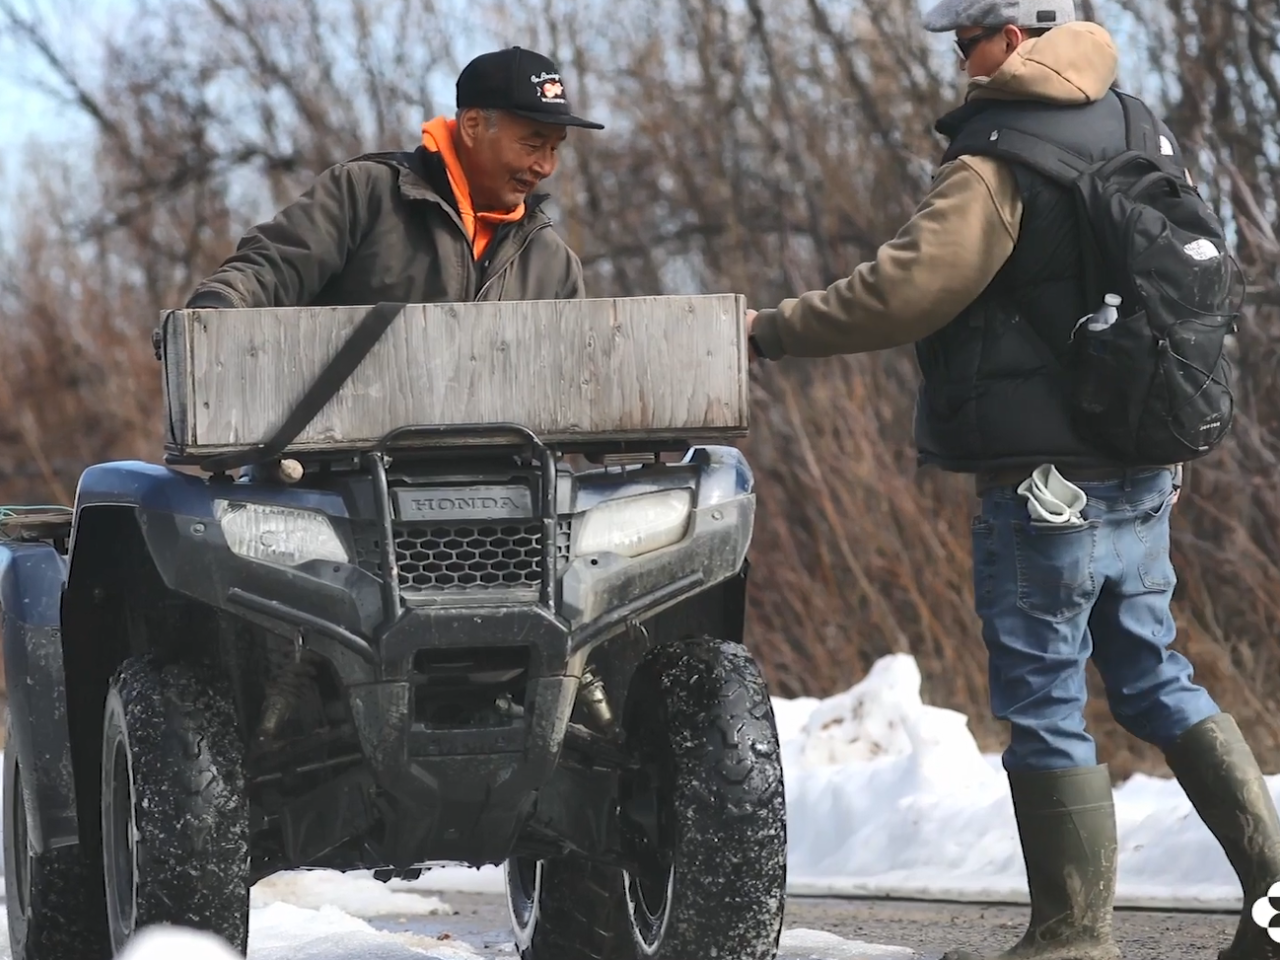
(192,807)
(726,763)
(66,913)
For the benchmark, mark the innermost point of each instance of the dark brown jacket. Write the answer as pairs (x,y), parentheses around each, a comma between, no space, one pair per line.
(383,227)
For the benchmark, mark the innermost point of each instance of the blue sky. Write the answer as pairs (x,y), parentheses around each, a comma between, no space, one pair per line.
(81,24)
(24,114)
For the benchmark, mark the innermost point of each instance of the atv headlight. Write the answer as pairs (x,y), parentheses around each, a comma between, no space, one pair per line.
(632,526)
(281,535)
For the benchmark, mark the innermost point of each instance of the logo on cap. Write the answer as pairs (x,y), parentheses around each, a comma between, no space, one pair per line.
(549,86)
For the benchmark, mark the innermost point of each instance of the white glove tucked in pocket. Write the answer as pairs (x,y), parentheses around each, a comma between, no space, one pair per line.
(1051,498)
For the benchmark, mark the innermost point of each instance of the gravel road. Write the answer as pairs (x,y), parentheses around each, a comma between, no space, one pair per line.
(928,928)
(932,928)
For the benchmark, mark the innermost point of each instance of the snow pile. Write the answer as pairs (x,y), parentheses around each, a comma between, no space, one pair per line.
(882,716)
(889,796)
(887,793)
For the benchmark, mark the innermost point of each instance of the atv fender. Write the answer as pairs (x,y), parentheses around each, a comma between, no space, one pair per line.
(31,581)
(172,514)
(152,503)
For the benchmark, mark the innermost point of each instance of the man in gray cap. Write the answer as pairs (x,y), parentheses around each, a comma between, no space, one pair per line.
(990,270)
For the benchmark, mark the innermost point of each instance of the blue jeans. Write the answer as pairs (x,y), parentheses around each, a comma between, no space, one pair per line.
(1050,598)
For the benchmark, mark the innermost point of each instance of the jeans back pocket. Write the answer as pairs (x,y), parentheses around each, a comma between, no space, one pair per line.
(1056,576)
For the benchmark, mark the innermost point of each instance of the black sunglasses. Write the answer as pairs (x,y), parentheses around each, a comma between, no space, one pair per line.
(966,46)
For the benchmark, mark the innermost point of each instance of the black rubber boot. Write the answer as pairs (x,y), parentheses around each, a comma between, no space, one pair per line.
(1222,780)
(1067,826)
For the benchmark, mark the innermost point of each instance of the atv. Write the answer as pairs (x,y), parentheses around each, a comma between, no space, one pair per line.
(484,649)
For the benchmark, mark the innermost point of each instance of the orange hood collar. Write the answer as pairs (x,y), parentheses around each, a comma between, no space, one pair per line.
(438,137)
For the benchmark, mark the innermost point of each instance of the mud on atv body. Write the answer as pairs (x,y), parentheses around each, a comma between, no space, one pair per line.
(471,654)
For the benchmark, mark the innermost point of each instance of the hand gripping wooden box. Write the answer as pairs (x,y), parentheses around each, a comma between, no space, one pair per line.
(574,372)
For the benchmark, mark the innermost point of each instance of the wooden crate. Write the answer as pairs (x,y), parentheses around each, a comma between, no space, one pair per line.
(637,368)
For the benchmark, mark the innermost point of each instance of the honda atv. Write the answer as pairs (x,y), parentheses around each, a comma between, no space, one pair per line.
(477,650)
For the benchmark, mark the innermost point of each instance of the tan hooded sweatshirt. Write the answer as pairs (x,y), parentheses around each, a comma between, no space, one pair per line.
(961,234)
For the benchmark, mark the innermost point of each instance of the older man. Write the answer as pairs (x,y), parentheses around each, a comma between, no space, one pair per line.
(455,220)
(989,271)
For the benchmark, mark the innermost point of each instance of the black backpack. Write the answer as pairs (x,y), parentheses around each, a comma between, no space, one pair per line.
(1155,387)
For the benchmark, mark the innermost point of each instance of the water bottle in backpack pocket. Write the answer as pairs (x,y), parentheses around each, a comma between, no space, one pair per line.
(1100,359)
(1109,360)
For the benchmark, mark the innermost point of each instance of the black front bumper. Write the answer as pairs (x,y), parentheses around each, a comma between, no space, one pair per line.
(464,793)
(457,792)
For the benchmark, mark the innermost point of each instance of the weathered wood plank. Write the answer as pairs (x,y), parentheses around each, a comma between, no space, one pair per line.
(606,369)
(177,381)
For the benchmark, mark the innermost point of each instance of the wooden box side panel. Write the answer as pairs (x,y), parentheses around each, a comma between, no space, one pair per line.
(632,367)
(176,375)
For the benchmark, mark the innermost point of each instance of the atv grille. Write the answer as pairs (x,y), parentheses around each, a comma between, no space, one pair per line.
(455,557)
(445,559)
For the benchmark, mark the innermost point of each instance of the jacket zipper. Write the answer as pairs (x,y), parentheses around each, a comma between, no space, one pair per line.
(512,259)
(471,263)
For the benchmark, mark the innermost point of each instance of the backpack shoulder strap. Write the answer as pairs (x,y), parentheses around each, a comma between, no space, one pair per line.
(984,137)
(1144,134)
(1049,159)
(1141,131)
(987,136)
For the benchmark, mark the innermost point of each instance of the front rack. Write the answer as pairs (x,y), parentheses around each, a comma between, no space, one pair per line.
(482,437)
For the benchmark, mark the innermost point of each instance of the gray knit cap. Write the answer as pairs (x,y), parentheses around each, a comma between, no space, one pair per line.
(953,14)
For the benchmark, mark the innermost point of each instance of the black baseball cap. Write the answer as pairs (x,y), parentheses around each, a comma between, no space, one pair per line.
(518,81)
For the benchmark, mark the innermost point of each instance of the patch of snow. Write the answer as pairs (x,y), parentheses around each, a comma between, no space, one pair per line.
(164,943)
(805,944)
(283,931)
(455,879)
(356,893)
(882,716)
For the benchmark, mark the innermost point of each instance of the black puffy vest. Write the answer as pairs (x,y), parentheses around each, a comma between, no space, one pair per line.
(990,396)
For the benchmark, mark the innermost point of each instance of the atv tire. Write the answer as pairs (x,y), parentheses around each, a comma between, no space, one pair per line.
(175,824)
(707,814)
(566,909)
(54,899)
